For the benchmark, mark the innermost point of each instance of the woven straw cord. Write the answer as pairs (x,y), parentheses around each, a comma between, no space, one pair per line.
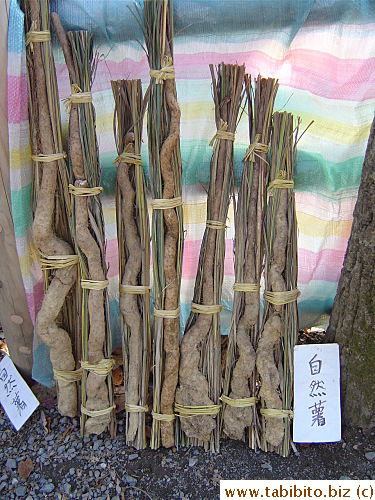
(246,287)
(281,298)
(274,413)
(163,417)
(77,97)
(94,285)
(167,313)
(255,147)
(34,36)
(128,157)
(49,158)
(223,134)
(84,191)
(134,289)
(192,411)
(203,309)
(97,413)
(280,182)
(68,376)
(166,72)
(166,203)
(49,262)
(104,367)
(129,408)
(215,224)
(239,403)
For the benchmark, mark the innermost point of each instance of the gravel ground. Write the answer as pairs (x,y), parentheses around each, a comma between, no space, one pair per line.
(66,466)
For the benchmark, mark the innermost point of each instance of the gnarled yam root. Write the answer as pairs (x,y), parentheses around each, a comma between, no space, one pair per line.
(171,236)
(236,420)
(96,387)
(193,388)
(270,378)
(129,302)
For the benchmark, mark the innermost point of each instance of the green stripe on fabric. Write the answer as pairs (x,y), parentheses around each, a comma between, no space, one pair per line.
(22,211)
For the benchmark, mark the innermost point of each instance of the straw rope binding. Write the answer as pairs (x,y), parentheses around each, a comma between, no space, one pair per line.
(255,147)
(134,289)
(84,191)
(163,417)
(164,313)
(281,298)
(97,413)
(129,408)
(223,134)
(104,367)
(280,184)
(49,262)
(274,413)
(202,309)
(77,97)
(94,285)
(166,72)
(34,36)
(49,158)
(215,224)
(126,157)
(68,376)
(192,411)
(166,203)
(239,403)
(246,287)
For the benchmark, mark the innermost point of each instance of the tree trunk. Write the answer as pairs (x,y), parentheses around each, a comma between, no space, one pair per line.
(352,322)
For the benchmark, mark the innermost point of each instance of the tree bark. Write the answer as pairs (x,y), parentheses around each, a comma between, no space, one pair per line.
(352,322)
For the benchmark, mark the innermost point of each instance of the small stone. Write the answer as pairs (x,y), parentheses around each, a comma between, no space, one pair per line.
(4,477)
(97,474)
(72,471)
(48,488)
(67,488)
(193,461)
(133,456)
(345,478)
(102,465)
(370,455)
(116,497)
(11,463)
(131,480)
(266,466)
(21,491)
(14,481)
(357,446)
(3,485)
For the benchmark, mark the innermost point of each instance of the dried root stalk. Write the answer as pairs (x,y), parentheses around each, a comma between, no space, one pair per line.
(275,348)
(200,365)
(240,378)
(89,228)
(46,140)
(134,256)
(167,226)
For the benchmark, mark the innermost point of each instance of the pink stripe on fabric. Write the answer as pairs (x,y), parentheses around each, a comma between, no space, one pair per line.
(191,258)
(34,300)
(322,266)
(18,95)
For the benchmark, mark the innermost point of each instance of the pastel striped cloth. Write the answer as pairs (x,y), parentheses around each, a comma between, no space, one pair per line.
(322,52)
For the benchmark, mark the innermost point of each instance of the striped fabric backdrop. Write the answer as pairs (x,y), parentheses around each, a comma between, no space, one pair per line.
(322,52)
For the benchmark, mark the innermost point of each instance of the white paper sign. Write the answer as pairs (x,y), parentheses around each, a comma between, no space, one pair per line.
(16,397)
(317,412)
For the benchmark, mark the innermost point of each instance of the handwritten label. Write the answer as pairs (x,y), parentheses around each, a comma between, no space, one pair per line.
(317,413)
(16,397)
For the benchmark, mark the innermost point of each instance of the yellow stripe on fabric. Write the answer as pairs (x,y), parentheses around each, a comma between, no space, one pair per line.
(197,214)
(320,228)
(20,158)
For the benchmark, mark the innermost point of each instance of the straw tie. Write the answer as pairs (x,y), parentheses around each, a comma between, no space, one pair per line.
(166,203)
(215,224)
(163,417)
(246,287)
(204,309)
(49,262)
(34,36)
(281,298)
(48,158)
(128,157)
(280,182)
(129,408)
(193,411)
(222,133)
(84,191)
(254,148)
(239,403)
(103,368)
(94,285)
(97,413)
(69,376)
(167,313)
(275,413)
(134,289)
(166,72)
(77,97)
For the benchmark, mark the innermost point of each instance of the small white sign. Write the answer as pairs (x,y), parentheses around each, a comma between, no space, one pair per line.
(16,397)
(317,412)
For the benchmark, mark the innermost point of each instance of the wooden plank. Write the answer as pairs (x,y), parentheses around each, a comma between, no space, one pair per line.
(14,314)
